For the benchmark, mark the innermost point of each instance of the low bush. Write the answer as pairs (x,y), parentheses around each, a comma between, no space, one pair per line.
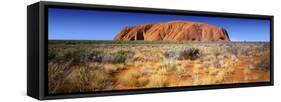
(76,55)
(262,65)
(170,55)
(168,66)
(106,58)
(51,54)
(121,56)
(189,53)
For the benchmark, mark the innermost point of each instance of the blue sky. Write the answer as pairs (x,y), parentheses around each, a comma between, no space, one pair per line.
(76,24)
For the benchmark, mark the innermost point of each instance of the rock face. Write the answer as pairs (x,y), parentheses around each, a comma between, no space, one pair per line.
(173,31)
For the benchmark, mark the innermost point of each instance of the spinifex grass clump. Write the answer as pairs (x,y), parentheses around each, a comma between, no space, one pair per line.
(168,66)
(189,53)
(51,54)
(80,55)
(121,56)
(170,54)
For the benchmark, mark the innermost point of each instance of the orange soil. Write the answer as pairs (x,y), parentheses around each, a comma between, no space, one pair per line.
(254,75)
(120,74)
(239,75)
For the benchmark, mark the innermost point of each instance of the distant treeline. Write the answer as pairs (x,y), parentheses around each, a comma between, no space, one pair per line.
(139,42)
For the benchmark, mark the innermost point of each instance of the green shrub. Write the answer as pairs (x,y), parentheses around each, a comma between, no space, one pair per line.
(189,53)
(76,55)
(95,56)
(121,56)
(51,54)
(79,55)
(170,54)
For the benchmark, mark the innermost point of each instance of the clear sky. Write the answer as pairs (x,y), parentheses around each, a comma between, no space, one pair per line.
(75,24)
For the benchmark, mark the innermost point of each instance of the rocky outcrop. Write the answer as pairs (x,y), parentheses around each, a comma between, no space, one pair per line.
(174,31)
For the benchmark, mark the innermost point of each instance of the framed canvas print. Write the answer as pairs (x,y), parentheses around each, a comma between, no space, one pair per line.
(82,50)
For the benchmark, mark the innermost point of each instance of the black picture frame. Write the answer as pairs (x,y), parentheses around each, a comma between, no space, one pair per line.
(37,40)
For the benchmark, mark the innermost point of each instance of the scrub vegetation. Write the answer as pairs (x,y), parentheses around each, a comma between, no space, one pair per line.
(85,66)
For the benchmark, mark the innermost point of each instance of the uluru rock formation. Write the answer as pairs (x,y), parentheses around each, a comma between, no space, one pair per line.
(174,31)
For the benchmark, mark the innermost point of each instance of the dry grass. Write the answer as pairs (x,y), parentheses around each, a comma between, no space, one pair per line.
(98,67)
(130,78)
(156,81)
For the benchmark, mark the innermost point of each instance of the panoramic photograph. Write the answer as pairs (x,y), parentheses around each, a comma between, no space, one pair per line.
(95,50)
